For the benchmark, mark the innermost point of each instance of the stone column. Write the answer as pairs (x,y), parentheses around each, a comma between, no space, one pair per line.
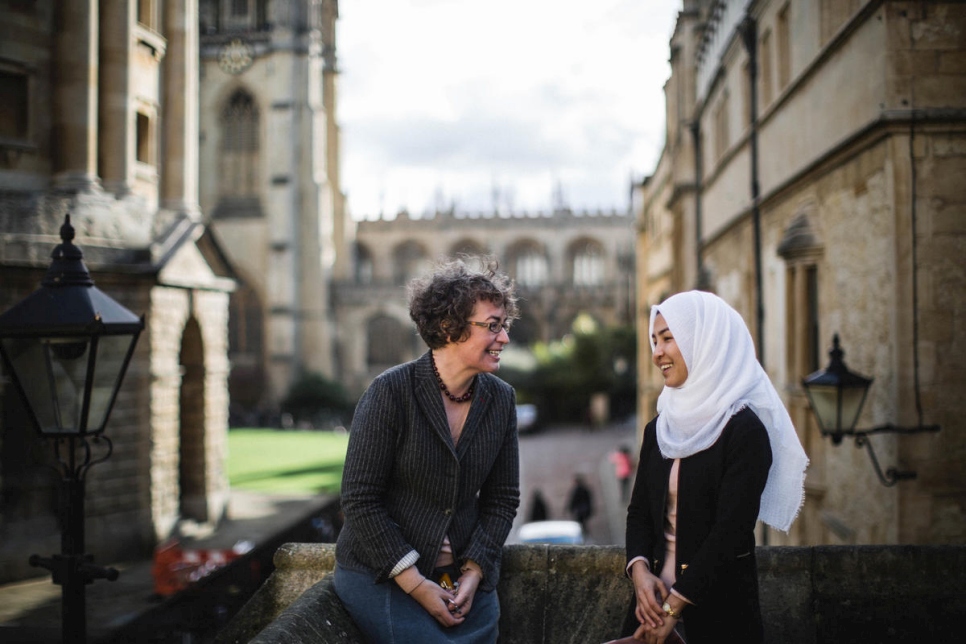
(75,94)
(115,136)
(179,172)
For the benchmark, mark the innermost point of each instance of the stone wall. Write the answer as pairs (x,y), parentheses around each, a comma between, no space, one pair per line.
(578,594)
(860,204)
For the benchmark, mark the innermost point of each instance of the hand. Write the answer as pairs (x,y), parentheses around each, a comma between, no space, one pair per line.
(652,635)
(650,592)
(438,602)
(469,581)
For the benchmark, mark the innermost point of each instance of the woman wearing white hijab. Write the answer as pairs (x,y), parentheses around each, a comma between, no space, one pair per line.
(721,453)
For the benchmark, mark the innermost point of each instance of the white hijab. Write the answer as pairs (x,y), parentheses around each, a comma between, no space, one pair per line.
(723,377)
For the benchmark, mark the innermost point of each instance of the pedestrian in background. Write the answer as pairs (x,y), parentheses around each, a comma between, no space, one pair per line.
(623,467)
(580,502)
(431,479)
(721,453)
(538,507)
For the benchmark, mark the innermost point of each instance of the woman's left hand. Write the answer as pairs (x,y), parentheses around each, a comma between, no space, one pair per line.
(469,581)
(655,634)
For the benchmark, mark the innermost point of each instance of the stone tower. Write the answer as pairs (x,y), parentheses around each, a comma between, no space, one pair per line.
(269,181)
(98,118)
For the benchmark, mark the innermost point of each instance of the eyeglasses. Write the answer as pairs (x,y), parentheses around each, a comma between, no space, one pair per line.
(492,327)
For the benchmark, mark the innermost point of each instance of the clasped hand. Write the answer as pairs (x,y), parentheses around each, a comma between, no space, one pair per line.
(650,592)
(448,607)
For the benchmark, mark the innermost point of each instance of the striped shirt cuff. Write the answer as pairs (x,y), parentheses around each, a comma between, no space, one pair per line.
(409,560)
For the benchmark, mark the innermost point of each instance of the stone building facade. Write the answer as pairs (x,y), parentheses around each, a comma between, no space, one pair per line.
(812,178)
(269,183)
(98,105)
(564,263)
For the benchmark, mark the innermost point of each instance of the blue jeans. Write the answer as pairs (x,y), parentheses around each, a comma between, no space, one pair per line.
(387,615)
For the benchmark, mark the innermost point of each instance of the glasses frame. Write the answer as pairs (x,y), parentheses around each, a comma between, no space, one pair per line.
(493,327)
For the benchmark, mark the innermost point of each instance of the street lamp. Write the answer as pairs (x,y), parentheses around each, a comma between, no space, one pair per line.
(836,396)
(66,348)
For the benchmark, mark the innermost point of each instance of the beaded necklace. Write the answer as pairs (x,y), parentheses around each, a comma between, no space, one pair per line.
(442,386)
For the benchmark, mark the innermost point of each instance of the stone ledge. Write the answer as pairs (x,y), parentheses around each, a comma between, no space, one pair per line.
(579,594)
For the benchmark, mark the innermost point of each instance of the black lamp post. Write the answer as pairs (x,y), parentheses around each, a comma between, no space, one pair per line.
(836,396)
(66,347)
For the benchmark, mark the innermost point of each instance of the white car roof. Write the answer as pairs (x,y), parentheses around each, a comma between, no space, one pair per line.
(550,529)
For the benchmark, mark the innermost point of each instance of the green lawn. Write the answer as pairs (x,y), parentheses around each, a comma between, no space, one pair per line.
(270,460)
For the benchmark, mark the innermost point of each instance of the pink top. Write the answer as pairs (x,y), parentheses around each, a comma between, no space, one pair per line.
(667,574)
(670,526)
(445,557)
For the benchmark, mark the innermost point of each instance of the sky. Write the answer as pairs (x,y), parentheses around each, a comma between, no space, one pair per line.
(517,105)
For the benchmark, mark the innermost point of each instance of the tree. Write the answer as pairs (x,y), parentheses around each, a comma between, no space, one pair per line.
(315,400)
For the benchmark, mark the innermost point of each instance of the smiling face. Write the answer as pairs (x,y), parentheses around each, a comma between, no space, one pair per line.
(481,349)
(667,356)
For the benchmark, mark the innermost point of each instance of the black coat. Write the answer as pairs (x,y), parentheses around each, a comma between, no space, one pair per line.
(719,494)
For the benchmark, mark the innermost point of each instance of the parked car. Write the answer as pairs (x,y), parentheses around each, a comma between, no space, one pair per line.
(552,532)
(526,418)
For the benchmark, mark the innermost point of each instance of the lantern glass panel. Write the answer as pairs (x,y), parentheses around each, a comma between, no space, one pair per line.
(852,399)
(52,372)
(112,353)
(824,399)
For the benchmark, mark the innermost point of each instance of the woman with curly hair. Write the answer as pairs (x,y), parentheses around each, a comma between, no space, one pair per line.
(431,480)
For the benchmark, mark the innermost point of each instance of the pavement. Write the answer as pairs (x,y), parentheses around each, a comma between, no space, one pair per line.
(127,610)
(549,460)
(30,611)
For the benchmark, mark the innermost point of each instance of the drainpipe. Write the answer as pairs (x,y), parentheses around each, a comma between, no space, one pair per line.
(703,283)
(749,34)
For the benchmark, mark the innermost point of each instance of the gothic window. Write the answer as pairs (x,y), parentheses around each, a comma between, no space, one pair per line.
(529,265)
(784,48)
(363,265)
(765,68)
(245,321)
(746,94)
(409,261)
(588,263)
(144,139)
(721,135)
(802,250)
(239,149)
(801,283)
(242,15)
(467,249)
(386,342)
(13,106)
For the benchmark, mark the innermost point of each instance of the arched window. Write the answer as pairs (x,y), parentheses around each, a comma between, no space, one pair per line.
(246,347)
(529,264)
(364,269)
(409,261)
(467,249)
(386,341)
(245,321)
(239,146)
(588,263)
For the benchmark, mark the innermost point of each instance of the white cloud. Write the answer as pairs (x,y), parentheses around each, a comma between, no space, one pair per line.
(443,100)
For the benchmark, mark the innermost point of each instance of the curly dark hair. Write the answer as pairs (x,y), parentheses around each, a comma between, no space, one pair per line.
(441,302)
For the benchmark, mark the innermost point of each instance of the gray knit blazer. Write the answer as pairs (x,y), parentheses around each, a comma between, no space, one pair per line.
(405,487)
